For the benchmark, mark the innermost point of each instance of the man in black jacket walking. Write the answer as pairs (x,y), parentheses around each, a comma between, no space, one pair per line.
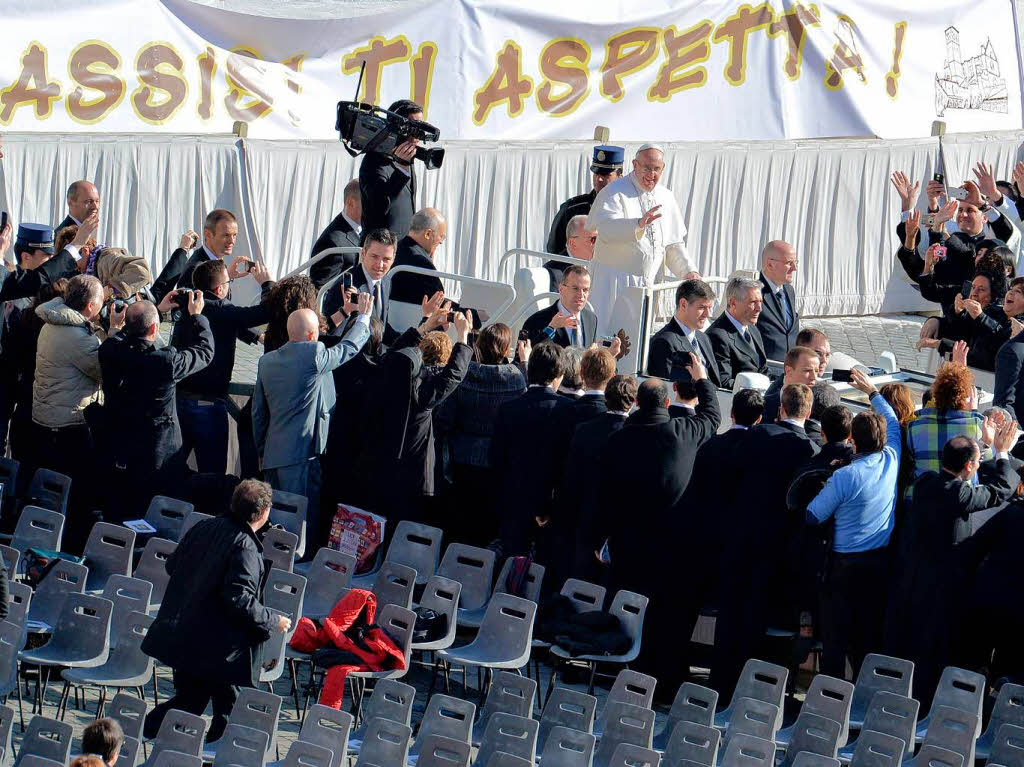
(212,623)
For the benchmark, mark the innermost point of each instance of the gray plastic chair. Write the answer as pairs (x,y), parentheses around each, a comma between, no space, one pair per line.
(585,597)
(693,703)
(255,709)
(935,756)
(414,545)
(693,743)
(957,688)
(442,596)
(445,717)
(31,760)
(280,548)
(624,723)
(390,700)
(19,601)
(629,755)
(50,490)
(241,746)
(328,728)
(759,680)
(328,578)
(174,759)
(128,756)
(890,714)
(283,593)
(386,743)
(168,515)
(876,749)
(531,583)
(109,552)
(629,687)
(152,567)
(748,751)
(127,666)
(515,735)
(473,567)
(46,738)
(1007,749)
(501,759)
(438,751)
(129,595)
(11,559)
(129,712)
(1008,709)
(815,734)
(753,717)
(179,732)
(289,511)
(192,520)
(503,640)
(566,708)
(829,697)
(508,693)
(39,528)
(394,584)
(879,673)
(11,637)
(398,623)
(566,747)
(303,754)
(64,579)
(809,759)
(953,730)
(6,726)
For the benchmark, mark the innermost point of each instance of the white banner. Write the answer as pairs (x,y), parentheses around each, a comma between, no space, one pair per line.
(519,69)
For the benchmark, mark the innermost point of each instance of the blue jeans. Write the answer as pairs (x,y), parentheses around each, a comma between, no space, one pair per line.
(204,428)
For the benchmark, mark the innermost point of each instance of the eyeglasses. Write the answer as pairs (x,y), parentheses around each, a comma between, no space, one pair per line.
(794,263)
(592,238)
(650,169)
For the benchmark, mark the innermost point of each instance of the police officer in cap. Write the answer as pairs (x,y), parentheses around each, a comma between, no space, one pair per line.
(606,167)
(36,264)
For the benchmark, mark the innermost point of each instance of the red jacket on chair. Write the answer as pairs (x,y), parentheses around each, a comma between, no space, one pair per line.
(349,628)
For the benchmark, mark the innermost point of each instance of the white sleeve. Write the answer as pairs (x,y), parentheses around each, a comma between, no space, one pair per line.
(606,216)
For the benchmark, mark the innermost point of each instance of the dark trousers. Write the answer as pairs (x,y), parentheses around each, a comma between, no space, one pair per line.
(70,451)
(853,609)
(204,428)
(192,694)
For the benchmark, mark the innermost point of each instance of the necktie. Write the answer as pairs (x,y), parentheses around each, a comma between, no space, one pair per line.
(574,338)
(696,349)
(377,308)
(787,314)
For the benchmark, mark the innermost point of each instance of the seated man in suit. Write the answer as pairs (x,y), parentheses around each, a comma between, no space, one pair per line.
(683,335)
(427,231)
(343,232)
(579,243)
(800,366)
(734,335)
(568,321)
(779,323)
(816,341)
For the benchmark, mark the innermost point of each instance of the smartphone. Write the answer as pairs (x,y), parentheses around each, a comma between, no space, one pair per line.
(841,376)
(3,219)
(965,289)
(524,335)
(940,252)
(346,282)
(451,316)
(246,267)
(940,178)
(957,193)
(606,342)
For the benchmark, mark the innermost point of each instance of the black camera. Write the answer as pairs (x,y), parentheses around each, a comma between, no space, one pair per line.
(369,128)
(180,299)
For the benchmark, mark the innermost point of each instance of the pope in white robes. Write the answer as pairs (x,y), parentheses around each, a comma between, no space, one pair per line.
(640,230)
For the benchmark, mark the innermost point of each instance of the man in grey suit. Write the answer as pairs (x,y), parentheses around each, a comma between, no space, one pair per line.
(294,399)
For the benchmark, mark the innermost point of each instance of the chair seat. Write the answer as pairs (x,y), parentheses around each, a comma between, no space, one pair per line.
(565,655)
(983,745)
(473,655)
(296,654)
(783,736)
(471,618)
(660,742)
(105,677)
(39,657)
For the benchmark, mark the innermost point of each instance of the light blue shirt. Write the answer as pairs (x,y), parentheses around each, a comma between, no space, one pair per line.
(736,324)
(862,496)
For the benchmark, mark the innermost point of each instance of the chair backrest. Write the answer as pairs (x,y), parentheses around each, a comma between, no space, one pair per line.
(8,476)
(329,575)
(83,629)
(959,688)
(630,608)
(753,717)
(442,596)
(38,527)
(192,520)
(473,567)
(279,547)
(304,754)
(394,584)
(129,712)
(128,595)
(692,742)
(830,698)
(501,759)
(417,546)
(385,742)
(507,627)
(391,700)
(955,730)
(181,732)
(1007,748)
(241,746)
(152,566)
(6,726)
(629,755)
(12,637)
(398,623)
(126,655)
(624,723)
(174,759)
(748,751)
(632,687)
(880,673)
(566,708)
(809,759)
(515,735)
(446,717)
(168,515)
(508,694)
(329,728)
(814,734)
(31,760)
(877,749)
(438,751)
(532,581)
(257,709)
(289,510)
(763,681)
(1009,707)
(19,601)
(894,715)
(585,595)
(11,557)
(64,579)
(284,592)
(47,738)
(128,756)
(935,756)
(108,552)
(50,490)
(568,747)
(693,703)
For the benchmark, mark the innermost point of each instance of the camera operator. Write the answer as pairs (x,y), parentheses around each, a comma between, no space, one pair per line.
(387,183)
(202,408)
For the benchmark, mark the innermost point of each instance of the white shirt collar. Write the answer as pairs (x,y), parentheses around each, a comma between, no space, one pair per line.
(565,311)
(736,322)
(356,227)
(77,222)
(372,283)
(684,406)
(541,386)
(738,426)
(593,391)
(794,421)
(209,254)
(691,335)
(623,413)
(774,288)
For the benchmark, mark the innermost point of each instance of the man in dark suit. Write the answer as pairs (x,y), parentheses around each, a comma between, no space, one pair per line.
(375,261)
(220,232)
(345,231)
(606,167)
(528,452)
(579,244)
(427,230)
(568,321)
(752,562)
(597,367)
(800,366)
(682,335)
(778,322)
(387,183)
(734,335)
(83,201)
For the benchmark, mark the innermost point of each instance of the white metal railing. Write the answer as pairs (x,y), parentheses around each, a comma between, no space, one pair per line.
(527,253)
(499,287)
(348,249)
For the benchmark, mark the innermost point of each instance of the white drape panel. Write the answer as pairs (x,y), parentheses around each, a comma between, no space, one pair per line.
(831,199)
(960,153)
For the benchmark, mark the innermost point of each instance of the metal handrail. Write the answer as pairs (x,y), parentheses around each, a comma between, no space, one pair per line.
(330,284)
(459,278)
(538,254)
(320,256)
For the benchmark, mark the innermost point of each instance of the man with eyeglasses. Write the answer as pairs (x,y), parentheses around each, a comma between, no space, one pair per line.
(779,322)
(606,167)
(579,243)
(640,229)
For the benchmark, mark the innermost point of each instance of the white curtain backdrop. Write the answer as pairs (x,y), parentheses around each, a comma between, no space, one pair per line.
(831,198)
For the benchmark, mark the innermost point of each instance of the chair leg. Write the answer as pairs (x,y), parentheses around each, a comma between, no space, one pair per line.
(593,673)
(61,707)
(293,672)
(21,706)
(156,692)
(102,700)
(551,680)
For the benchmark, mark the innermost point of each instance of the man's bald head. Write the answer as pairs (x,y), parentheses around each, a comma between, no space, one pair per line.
(303,325)
(142,320)
(83,199)
(779,262)
(428,227)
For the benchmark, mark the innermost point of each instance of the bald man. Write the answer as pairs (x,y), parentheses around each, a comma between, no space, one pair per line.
(292,405)
(427,230)
(140,378)
(83,200)
(779,322)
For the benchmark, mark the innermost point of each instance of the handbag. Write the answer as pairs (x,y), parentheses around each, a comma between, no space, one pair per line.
(37,563)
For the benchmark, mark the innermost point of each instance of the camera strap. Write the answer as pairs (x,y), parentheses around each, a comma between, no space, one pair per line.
(376,141)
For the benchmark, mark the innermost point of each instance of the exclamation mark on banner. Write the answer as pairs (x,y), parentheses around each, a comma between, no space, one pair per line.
(892,79)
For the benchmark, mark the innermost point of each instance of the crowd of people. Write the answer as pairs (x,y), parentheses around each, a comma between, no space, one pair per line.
(801,510)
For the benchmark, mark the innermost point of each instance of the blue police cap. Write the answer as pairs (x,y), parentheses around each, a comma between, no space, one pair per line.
(607,159)
(35,237)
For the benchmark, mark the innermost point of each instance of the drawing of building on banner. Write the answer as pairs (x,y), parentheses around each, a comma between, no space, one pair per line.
(973,83)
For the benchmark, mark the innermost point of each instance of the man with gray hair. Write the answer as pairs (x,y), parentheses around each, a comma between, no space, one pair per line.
(344,231)
(734,335)
(779,322)
(579,243)
(427,231)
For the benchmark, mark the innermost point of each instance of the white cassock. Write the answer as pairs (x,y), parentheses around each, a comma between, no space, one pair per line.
(625,256)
